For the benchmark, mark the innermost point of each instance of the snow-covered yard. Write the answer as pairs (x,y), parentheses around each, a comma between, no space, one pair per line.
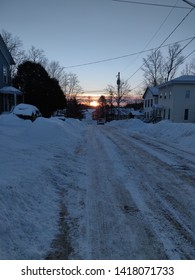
(124,190)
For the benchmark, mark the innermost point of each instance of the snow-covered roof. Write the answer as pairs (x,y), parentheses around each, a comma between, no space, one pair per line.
(185,79)
(10,90)
(153,90)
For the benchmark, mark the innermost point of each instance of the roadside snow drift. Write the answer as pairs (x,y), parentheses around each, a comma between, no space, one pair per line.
(180,134)
(29,199)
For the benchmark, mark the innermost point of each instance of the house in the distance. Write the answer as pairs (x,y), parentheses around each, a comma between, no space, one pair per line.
(8,94)
(173,100)
(151,107)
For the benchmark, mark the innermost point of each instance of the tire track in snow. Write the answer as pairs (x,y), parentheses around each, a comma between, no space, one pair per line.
(136,206)
(115,226)
(175,214)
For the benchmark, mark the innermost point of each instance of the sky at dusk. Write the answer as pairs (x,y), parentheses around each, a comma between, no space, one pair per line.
(76,32)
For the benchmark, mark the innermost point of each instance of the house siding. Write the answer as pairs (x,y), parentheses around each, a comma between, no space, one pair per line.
(174,101)
(166,100)
(183,103)
(4,63)
(147,105)
(149,101)
(6,60)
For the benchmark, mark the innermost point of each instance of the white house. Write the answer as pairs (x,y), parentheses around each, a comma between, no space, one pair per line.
(173,100)
(150,102)
(177,99)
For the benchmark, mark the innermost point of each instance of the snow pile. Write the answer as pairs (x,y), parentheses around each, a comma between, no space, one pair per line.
(26,110)
(181,134)
(29,196)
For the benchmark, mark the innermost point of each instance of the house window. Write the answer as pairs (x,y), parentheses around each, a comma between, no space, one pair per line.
(165,95)
(5,75)
(161,95)
(187,93)
(151,102)
(169,94)
(186,114)
(145,103)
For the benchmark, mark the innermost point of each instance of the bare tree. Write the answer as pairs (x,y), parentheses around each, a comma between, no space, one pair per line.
(120,95)
(14,45)
(37,56)
(71,85)
(186,70)
(153,68)
(55,70)
(68,81)
(189,68)
(193,67)
(158,69)
(173,61)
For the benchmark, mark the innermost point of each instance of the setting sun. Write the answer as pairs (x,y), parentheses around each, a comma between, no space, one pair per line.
(94,103)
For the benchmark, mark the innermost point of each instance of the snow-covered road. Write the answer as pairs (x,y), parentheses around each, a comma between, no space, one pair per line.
(133,198)
(75,190)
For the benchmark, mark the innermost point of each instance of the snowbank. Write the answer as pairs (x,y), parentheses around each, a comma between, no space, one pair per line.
(180,134)
(29,196)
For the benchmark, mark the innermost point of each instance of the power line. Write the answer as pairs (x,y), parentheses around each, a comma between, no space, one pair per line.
(177,26)
(151,4)
(103,90)
(123,56)
(188,55)
(165,40)
(183,61)
(189,3)
(157,31)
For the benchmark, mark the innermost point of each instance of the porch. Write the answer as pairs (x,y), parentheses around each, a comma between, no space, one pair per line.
(9,97)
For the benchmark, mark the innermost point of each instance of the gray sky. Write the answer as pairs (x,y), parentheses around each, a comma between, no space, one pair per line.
(80,31)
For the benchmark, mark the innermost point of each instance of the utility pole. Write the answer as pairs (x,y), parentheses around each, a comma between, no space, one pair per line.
(189,3)
(119,85)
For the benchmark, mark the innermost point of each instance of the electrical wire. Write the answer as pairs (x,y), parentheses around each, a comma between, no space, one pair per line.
(151,4)
(123,56)
(137,86)
(157,31)
(165,40)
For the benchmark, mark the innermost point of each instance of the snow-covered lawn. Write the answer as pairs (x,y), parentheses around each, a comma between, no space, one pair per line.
(43,170)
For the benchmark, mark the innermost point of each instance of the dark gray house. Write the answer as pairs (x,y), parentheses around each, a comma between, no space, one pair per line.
(8,94)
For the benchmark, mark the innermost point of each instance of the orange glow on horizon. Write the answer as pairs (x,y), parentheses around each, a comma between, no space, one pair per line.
(94,103)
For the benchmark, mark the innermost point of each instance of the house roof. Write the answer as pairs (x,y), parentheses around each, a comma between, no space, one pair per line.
(153,90)
(10,90)
(5,52)
(186,79)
